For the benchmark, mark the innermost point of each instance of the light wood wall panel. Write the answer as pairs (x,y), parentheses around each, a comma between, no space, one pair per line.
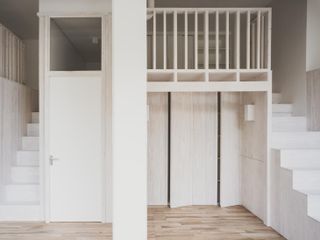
(230,159)
(313,100)
(16,105)
(158,149)
(193,162)
(254,154)
(12,56)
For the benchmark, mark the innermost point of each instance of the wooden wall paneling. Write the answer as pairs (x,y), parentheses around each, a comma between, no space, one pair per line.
(230,159)
(158,149)
(313,100)
(181,150)
(204,148)
(254,154)
(193,162)
(12,59)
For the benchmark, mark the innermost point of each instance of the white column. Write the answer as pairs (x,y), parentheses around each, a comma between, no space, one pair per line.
(129,120)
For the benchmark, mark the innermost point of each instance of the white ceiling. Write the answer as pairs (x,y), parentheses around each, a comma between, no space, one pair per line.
(21,17)
(212,3)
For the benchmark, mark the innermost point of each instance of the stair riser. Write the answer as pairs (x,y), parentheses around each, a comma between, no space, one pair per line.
(28,158)
(25,175)
(306,179)
(30,143)
(291,140)
(21,193)
(307,159)
(282,108)
(33,130)
(285,124)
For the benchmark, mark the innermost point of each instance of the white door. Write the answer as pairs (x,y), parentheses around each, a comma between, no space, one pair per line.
(75,147)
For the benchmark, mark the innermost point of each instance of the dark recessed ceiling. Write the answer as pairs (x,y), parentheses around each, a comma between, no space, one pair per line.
(20,16)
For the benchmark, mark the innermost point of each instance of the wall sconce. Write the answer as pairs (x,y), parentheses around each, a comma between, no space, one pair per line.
(249,113)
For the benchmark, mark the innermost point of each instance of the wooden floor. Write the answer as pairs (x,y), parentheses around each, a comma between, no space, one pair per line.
(190,223)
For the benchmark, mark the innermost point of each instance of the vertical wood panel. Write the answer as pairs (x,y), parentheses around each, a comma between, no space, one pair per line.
(313,100)
(230,150)
(204,149)
(193,149)
(158,149)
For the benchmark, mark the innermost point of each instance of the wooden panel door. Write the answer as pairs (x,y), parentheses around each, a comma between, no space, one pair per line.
(75,143)
(193,162)
(158,149)
(230,150)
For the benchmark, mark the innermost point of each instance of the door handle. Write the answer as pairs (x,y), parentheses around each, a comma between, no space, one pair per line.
(52,159)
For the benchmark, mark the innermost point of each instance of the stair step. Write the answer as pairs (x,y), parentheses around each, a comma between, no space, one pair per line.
(295,140)
(27,158)
(35,117)
(282,108)
(276,98)
(300,158)
(15,193)
(33,129)
(306,179)
(25,174)
(30,143)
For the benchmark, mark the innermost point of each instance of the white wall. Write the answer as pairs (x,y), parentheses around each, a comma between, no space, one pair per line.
(32,63)
(64,56)
(313,35)
(289,51)
(129,119)
(75,6)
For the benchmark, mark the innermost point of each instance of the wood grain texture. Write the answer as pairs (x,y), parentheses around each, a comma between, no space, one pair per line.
(158,149)
(193,172)
(195,223)
(313,100)
(16,105)
(230,181)
(254,154)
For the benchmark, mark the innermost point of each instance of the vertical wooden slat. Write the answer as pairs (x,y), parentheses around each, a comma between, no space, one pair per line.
(196,40)
(186,40)
(175,47)
(227,39)
(164,40)
(254,45)
(217,40)
(206,40)
(248,38)
(269,38)
(238,40)
(258,39)
(154,52)
(263,47)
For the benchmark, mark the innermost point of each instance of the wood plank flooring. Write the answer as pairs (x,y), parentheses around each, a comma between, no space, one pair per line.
(190,223)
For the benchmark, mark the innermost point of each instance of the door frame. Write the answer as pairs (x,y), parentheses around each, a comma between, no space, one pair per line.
(44,90)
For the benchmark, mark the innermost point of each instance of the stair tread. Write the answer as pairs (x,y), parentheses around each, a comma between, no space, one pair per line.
(309,191)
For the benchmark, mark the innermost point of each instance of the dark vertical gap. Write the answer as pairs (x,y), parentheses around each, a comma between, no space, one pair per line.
(219,148)
(169,144)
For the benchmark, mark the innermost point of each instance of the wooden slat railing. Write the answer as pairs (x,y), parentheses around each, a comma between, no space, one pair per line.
(209,38)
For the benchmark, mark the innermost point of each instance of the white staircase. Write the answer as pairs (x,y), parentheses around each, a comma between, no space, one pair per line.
(21,193)
(295,170)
